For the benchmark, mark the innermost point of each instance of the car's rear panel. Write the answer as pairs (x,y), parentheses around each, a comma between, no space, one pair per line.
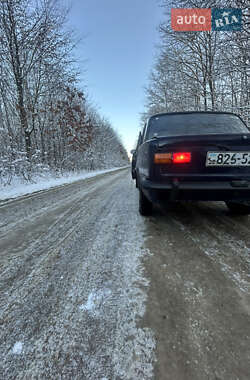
(199,146)
(195,180)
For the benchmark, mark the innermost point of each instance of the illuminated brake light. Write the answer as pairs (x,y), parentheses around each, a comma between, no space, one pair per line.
(181,158)
(163,158)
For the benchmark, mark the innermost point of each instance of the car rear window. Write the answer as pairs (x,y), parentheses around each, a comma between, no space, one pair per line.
(194,124)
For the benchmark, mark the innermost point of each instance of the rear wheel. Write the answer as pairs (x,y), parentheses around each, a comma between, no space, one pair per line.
(145,206)
(239,208)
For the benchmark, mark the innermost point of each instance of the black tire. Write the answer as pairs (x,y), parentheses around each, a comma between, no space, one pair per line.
(239,208)
(145,206)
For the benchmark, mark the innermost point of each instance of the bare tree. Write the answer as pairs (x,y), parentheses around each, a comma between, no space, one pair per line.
(46,121)
(201,70)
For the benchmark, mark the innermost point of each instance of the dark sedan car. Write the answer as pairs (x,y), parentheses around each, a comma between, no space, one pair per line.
(194,156)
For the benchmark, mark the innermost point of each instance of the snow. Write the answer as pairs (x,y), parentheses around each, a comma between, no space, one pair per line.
(95,301)
(18,188)
(83,281)
(17,348)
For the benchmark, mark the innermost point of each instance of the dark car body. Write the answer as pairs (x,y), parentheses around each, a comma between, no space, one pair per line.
(134,156)
(133,164)
(209,138)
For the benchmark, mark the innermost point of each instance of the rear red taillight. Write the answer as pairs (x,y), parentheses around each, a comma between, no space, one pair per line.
(172,158)
(181,157)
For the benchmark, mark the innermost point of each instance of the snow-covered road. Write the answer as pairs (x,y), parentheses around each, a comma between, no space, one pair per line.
(91,290)
(72,284)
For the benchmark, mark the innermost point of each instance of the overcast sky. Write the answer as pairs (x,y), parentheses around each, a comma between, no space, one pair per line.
(119,45)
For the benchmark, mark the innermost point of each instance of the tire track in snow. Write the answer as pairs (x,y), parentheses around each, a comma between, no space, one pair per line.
(199,313)
(213,237)
(42,235)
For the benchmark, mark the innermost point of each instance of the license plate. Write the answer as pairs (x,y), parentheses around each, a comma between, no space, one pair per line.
(228,159)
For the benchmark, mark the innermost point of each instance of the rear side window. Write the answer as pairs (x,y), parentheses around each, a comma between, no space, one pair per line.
(139,140)
(194,124)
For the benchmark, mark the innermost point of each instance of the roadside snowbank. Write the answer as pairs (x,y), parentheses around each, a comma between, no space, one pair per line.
(19,188)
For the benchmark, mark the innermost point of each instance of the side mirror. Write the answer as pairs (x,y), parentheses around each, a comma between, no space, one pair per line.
(132,151)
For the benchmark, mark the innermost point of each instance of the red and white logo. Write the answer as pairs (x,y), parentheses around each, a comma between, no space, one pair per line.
(191,19)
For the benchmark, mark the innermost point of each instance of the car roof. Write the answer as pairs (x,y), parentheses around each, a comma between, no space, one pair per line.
(190,112)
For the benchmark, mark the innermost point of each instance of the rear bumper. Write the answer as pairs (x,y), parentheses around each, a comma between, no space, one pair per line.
(194,190)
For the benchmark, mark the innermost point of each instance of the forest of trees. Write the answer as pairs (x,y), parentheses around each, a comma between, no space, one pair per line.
(201,70)
(46,121)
